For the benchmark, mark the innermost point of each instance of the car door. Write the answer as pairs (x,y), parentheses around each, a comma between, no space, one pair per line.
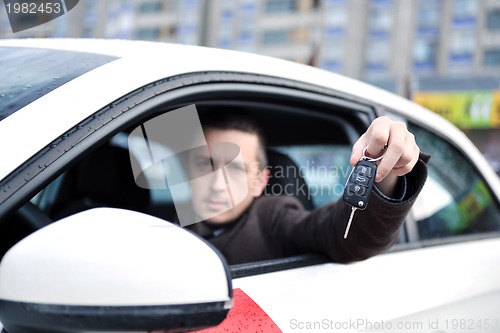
(297,293)
(281,105)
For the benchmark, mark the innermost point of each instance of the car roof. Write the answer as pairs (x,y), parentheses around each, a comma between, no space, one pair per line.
(140,63)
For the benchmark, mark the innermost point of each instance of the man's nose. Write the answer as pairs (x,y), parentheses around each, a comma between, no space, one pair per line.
(218,181)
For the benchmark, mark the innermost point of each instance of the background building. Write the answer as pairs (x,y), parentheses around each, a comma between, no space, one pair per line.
(374,40)
(444,54)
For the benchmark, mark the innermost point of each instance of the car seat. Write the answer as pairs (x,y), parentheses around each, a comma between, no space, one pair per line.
(103,179)
(285,179)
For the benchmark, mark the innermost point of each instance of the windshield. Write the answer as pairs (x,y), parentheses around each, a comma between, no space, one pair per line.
(28,74)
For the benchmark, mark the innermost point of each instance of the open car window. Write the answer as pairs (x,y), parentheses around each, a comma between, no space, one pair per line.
(316,168)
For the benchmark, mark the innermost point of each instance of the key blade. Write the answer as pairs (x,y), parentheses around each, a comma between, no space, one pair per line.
(349,222)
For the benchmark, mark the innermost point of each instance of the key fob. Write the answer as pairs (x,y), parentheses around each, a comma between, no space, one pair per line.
(360,183)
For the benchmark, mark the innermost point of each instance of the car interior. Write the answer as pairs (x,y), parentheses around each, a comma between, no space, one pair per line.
(104,177)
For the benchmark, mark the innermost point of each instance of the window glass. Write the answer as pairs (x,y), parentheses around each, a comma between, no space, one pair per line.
(28,74)
(275,37)
(464,8)
(381,19)
(280,6)
(247,25)
(462,41)
(429,14)
(455,199)
(151,7)
(337,18)
(424,54)
(149,33)
(325,169)
(462,48)
(377,57)
(493,20)
(377,51)
(492,58)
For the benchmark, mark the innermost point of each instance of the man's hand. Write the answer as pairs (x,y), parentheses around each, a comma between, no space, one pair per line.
(398,146)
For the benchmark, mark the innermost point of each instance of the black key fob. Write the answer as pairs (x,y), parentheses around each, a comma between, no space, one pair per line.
(360,183)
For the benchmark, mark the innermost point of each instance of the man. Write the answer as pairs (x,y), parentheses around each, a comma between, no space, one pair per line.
(246,226)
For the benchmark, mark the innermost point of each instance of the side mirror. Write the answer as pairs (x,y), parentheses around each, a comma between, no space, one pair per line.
(112,270)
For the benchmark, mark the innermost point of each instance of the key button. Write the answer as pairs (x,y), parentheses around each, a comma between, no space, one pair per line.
(359,179)
(357,189)
(364,171)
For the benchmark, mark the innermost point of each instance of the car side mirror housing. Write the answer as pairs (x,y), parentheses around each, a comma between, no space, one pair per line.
(113,270)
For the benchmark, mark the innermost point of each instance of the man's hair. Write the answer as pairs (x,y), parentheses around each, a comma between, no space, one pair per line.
(235,118)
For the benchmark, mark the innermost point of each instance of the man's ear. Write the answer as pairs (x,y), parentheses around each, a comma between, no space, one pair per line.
(261,182)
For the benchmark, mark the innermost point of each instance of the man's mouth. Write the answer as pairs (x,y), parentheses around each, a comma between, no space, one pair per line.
(216,205)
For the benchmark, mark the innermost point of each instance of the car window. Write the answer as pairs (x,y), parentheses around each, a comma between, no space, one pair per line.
(28,74)
(455,199)
(325,169)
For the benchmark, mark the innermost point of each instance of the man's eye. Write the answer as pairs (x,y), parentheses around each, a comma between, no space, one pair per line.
(203,163)
(237,167)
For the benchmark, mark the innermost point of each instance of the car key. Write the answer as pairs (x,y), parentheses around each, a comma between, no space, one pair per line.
(359,186)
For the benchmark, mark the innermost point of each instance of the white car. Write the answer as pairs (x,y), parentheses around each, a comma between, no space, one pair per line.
(101,256)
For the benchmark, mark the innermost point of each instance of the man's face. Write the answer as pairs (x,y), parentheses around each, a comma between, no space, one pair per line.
(223,196)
